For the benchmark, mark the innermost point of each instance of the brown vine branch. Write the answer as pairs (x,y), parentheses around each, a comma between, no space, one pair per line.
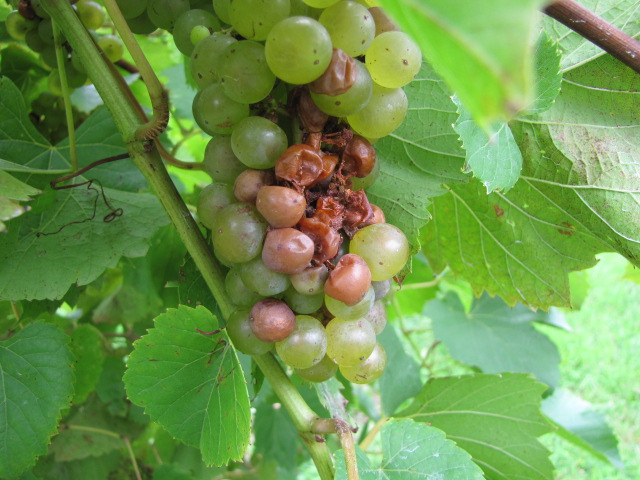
(597,30)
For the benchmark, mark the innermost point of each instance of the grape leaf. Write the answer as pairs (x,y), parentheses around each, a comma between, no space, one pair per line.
(516,246)
(276,437)
(465,42)
(548,76)
(25,69)
(581,425)
(496,418)
(494,158)
(192,384)
(13,191)
(89,432)
(36,368)
(584,153)
(576,50)
(411,451)
(86,344)
(38,267)
(420,156)
(488,338)
(401,378)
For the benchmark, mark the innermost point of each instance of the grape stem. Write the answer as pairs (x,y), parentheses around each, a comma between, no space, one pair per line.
(158,95)
(68,108)
(597,30)
(127,117)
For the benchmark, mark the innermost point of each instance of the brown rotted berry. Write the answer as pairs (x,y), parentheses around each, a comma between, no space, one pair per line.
(358,211)
(339,76)
(280,206)
(272,320)
(287,250)
(359,157)
(299,164)
(350,280)
(326,240)
(311,117)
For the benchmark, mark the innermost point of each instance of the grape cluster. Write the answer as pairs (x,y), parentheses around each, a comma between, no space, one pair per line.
(293,97)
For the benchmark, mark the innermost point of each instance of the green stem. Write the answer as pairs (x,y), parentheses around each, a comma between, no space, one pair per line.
(68,108)
(303,417)
(127,119)
(157,93)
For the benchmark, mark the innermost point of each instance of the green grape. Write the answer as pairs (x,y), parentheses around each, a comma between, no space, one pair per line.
(212,199)
(306,345)
(112,47)
(353,312)
(164,13)
(216,113)
(205,58)
(320,372)
(299,8)
(132,9)
(258,142)
(244,72)
(320,3)
(393,59)
(350,342)
(311,280)
(369,370)
(350,102)
(298,50)
(186,23)
(303,304)
(34,42)
(238,292)
(198,33)
(75,78)
(142,24)
(221,7)
(91,14)
(17,26)
(239,331)
(220,162)
(37,7)
(260,279)
(253,19)
(48,56)
(53,82)
(45,30)
(350,25)
(382,115)
(377,316)
(382,288)
(238,233)
(384,247)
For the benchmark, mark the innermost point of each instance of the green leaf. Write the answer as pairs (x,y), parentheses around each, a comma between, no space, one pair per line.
(496,418)
(110,387)
(37,383)
(13,191)
(90,432)
(518,246)
(465,42)
(492,338)
(276,437)
(494,158)
(420,156)
(192,384)
(86,344)
(38,267)
(584,156)
(576,50)
(25,69)
(548,76)
(401,378)
(410,451)
(581,425)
